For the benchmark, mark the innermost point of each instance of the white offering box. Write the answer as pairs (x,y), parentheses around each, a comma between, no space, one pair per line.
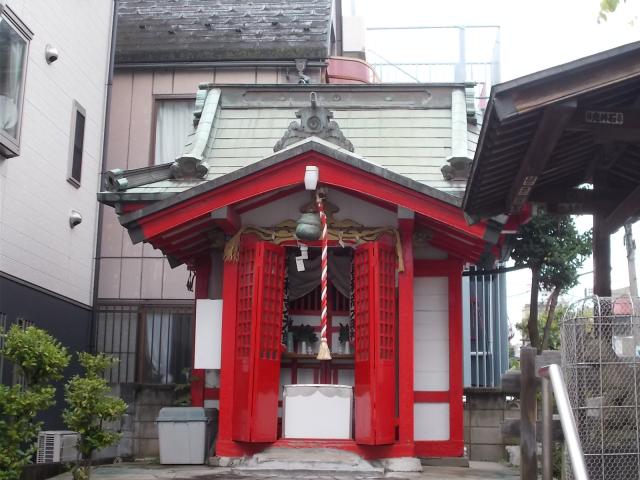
(317,411)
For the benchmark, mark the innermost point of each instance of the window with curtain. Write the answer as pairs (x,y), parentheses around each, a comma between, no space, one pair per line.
(14,38)
(174,121)
(153,343)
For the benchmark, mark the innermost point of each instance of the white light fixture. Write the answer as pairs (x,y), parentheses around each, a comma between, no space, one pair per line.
(75,218)
(51,53)
(311,175)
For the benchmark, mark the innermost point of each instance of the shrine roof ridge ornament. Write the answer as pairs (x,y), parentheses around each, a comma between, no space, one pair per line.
(314,121)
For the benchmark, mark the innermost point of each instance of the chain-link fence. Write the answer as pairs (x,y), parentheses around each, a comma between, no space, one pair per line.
(601,366)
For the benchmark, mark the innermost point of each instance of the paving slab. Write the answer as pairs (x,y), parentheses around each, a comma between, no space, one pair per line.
(475,471)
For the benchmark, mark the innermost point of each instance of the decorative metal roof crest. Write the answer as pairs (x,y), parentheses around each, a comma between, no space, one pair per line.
(314,121)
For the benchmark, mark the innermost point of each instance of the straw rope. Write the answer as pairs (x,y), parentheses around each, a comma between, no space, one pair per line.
(346,231)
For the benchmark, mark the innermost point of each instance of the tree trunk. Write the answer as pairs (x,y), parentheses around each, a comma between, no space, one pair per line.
(551,312)
(532,323)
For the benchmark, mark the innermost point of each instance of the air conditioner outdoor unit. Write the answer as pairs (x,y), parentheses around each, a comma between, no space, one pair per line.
(56,446)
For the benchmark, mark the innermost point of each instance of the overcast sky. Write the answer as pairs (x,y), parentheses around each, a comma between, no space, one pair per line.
(534,35)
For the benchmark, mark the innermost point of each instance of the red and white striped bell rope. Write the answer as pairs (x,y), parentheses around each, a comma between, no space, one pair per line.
(323,353)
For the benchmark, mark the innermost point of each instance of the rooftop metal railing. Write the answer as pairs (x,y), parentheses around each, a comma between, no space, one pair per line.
(552,379)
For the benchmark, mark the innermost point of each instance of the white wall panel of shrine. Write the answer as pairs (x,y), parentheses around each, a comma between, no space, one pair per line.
(431,334)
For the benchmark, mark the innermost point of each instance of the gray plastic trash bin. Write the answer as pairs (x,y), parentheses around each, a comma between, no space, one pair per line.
(184,434)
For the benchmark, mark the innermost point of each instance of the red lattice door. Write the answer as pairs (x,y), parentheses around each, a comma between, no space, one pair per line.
(258,337)
(375,324)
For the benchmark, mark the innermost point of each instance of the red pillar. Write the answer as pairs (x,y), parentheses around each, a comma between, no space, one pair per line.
(225,444)
(203,270)
(405,334)
(456,407)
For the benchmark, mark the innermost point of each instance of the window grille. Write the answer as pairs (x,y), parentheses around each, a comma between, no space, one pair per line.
(153,343)
(488,329)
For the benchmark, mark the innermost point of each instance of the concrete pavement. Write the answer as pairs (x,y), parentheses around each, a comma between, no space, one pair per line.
(141,471)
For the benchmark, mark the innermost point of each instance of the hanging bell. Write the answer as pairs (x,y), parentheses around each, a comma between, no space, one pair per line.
(309,227)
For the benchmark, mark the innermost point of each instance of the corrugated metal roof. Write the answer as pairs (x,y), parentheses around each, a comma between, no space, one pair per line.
(413,143)
(401,133)
(406,134)
(207,30)
(174,191)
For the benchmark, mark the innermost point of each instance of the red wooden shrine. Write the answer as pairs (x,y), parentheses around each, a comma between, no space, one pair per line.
(389,399)
(258,335)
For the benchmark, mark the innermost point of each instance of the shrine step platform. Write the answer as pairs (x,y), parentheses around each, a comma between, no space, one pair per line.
(308,459)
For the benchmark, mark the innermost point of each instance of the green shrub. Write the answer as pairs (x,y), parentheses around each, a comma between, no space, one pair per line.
(40,359)
(90,408)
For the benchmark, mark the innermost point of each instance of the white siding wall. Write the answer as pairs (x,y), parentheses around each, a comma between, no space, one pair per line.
(431,355)
(36,242)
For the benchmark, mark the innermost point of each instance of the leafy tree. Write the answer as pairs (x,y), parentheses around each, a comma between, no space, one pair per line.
(552,248)
(514,363)
(608,7)
(40,359)
(89,409)
(553,339)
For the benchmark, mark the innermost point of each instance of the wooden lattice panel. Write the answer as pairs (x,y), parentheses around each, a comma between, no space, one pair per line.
(272,294)
(386,265)
(267,330)
(375,324)
(362,307)
(245,299)
(245,311)
(260,304)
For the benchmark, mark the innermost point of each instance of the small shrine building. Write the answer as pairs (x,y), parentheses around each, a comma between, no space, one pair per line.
(230,208)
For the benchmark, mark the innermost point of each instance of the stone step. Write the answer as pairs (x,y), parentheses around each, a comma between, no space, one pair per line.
(306,459)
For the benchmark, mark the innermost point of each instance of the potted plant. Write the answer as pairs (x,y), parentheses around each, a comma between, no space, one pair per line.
(345,338)
(305,336)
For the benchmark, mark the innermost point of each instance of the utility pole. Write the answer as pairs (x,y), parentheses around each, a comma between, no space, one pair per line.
(630,243)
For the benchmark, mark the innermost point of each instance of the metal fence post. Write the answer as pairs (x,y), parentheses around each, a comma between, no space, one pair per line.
(547,430)
(528,414)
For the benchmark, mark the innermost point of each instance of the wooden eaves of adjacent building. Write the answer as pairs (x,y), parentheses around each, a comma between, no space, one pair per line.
(567,139)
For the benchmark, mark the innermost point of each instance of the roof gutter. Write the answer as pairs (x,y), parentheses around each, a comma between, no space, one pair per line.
(218,64)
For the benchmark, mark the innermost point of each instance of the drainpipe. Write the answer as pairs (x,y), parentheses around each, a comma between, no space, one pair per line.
(103,162)
(339,42)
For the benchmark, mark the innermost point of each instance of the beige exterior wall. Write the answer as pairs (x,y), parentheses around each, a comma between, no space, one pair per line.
(130,271)
(37,244)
